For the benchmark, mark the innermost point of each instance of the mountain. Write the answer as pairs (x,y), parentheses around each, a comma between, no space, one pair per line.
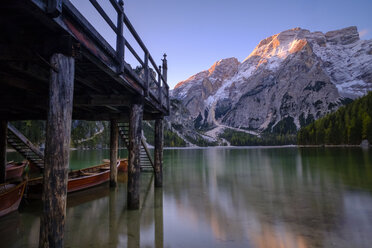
(289,80)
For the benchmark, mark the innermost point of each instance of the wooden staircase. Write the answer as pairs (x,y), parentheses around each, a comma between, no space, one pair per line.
(22,145)
(147,163)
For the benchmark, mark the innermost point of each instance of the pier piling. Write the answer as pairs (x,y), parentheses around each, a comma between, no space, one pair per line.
(158,152)
(114,140)
(57,149)
(135,135)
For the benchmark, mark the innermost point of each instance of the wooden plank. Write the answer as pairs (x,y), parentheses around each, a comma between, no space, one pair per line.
(114,143)
(57,147)
(135,135)
(158,152)
(3,132)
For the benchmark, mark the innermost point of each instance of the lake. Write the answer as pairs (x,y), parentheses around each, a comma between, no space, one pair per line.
(221,197)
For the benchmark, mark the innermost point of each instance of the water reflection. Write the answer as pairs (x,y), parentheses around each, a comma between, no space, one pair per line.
(285,197)
(269,197)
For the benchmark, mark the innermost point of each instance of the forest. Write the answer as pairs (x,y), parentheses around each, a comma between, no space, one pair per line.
(349,125)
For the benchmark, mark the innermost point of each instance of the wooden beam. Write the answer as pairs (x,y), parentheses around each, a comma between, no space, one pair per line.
(135,135)
(3,138)
(57,147)
(114,143)
(158,152)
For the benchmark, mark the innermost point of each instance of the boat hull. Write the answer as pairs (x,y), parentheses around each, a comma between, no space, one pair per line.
(78,180)
(15,171)
(11,198)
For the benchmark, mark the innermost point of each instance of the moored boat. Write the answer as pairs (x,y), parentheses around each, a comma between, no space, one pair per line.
(15,170)
(10,197)
(77,180)
(123,166)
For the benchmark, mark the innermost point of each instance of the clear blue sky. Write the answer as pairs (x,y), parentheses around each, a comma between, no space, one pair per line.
(196,33)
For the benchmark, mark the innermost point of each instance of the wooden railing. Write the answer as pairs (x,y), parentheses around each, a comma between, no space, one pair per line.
(156,88)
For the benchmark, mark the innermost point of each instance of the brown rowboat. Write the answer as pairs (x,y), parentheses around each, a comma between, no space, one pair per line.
(10,197)
(15,170)
(123,166)
(77,180)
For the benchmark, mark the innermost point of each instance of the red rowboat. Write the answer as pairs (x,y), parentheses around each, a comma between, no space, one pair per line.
(10,197)
(77,180)
(15,170)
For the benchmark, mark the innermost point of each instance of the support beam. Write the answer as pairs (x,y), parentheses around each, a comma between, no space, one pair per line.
(3,132)
(114,142)
(135,134)
(158,152)
(57,148)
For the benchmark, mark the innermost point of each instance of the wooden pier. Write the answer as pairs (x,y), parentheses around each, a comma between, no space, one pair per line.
(55,66)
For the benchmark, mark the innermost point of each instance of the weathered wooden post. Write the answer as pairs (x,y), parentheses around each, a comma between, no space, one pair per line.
(165,73)
(114,143)
(165,67)
(120,41)
(135,135)
(160,88)
(158,152)
(3,133)
(57,151)
(158,213)
(146,72)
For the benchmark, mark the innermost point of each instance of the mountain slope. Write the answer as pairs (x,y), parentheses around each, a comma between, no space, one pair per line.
(290,79)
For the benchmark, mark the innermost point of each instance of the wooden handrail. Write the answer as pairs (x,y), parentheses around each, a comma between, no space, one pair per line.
(104,15)
(122,43)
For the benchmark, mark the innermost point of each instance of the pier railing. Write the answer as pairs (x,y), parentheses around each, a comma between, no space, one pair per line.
(154,86)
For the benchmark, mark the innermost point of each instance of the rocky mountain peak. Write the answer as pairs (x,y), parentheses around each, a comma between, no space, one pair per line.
(289,79)
(343,36)
(220,69)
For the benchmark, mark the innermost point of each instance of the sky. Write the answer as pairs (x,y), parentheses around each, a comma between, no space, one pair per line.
(197,33)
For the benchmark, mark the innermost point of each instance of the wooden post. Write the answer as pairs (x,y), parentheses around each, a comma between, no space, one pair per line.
(158,152)
(160,88)
(57,149)
(135,135)
(147,74)
(158,213)
(3,138)
(165,76)
(114,143)
(120,41)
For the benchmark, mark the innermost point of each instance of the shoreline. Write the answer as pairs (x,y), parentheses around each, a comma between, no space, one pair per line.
(9,150)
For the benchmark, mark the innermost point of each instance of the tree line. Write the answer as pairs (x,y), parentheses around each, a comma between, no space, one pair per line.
(349,125)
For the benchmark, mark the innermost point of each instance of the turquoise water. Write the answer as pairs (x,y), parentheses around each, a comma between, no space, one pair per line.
(221,197)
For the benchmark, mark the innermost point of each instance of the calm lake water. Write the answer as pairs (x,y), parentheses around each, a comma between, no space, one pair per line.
(221,197)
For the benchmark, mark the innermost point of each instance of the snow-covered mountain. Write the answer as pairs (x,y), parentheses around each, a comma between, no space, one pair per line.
(289,79)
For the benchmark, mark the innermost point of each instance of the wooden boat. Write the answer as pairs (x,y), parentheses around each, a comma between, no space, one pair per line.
(10,197)
(123,166)
(77,180)
(15,170)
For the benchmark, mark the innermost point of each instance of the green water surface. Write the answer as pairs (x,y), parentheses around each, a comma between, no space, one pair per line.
(220,197)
